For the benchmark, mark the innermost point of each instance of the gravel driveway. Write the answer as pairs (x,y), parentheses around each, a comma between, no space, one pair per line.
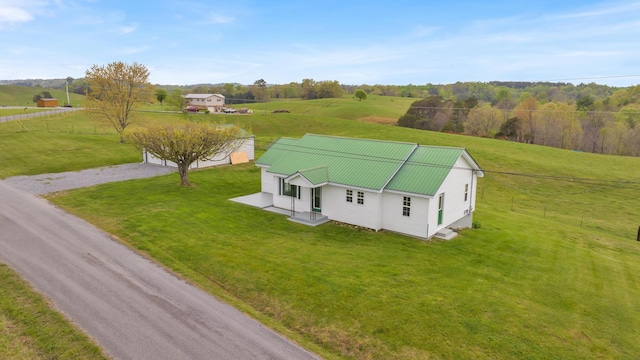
(48,183)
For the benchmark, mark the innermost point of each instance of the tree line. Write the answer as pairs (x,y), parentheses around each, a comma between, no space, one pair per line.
(260,90)
(494,91)
(608,125)
(586,117)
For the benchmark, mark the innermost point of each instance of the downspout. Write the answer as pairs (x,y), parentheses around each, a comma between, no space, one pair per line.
(473,172)
(293,205)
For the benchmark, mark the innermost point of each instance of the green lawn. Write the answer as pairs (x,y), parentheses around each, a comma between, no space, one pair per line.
(552,272)
(520,286)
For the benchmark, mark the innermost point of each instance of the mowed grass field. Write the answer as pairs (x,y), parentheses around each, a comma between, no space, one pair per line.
(13,95)
(551,272)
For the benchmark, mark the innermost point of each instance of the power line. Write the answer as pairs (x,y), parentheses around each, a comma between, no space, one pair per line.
(524,110)
(351,155)
(588,78)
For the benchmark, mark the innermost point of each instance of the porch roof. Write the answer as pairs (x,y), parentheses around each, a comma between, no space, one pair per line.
(315,176)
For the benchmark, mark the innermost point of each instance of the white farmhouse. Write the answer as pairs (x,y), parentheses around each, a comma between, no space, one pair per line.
(211,102)
(407,188)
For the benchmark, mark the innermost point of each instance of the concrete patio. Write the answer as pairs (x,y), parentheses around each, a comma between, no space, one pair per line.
(264,201)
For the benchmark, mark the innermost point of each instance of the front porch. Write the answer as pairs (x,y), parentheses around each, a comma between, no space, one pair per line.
(264,201)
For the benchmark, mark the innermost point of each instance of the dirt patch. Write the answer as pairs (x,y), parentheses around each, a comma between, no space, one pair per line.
(378,120)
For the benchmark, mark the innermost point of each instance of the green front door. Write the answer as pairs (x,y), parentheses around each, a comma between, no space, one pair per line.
(440,208)
(316,199)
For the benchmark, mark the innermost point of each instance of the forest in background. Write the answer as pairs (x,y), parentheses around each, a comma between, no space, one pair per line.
(585,117)
(588,118)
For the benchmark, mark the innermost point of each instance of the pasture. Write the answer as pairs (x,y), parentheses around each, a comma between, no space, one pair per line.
(550,272)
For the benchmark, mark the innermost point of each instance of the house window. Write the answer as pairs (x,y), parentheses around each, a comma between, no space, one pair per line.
(287,189)
(406,206)
(466,192)
(360,197)
(350,196)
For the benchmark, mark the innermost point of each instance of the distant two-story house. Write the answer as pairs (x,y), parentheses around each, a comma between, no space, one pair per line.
(397,186)
(211,102)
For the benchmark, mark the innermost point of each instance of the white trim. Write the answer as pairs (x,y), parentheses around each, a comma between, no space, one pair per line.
(409,194)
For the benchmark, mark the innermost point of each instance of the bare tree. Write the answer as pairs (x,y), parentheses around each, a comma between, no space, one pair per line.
(524,111)
(184,144)
(116,90)
(483,120)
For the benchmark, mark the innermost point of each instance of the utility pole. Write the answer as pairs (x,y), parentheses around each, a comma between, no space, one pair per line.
(67,82)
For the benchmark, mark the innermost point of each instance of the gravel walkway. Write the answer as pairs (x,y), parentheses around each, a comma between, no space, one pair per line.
(48,183)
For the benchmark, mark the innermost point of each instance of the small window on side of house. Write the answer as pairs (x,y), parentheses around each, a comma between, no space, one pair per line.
(406,206)
(360,197)
(466,192)
(350,196)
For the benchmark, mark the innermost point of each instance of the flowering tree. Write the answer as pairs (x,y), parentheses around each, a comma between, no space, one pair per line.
(185,143)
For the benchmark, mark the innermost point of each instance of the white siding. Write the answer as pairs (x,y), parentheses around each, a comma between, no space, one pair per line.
(416,224)
(300,181)
(284,201)
(247,146)
(335,206)
(266,181)
(455,206)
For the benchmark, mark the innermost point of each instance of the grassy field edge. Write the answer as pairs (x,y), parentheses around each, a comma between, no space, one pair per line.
(32,329)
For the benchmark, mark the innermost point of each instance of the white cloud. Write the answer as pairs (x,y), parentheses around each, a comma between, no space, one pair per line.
(221,19)
(423,31)
(127,29)
(13,14)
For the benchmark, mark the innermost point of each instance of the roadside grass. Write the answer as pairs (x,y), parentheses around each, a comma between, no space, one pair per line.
(30,329)
(550,273)
(14,111)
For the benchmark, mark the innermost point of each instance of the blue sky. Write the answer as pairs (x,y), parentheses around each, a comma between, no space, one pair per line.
(355,42)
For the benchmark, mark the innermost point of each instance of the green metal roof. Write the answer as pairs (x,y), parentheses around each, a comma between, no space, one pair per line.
(277,150)
(425,170)
(317,175)
(363,163)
